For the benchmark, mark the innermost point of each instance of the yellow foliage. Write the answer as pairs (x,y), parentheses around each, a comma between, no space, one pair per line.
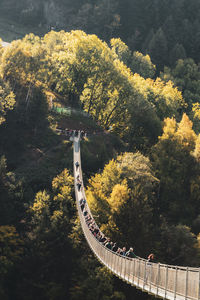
(41,203)
(169,129)
(63,181)
(186,134)
(196,110)
(119,195)
(181,132)
(57,214)
(196,152)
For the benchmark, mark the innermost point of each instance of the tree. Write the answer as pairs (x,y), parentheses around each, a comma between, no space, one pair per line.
(177,52)
(53,212)
(11,252)
(167,98)
(176,169)
(169,28)
(7,99)
(11,196)
(158,49)
(186,77)
(178,245)
(124,191)
(195,115)
(41,211)
(142,65)
(121,50)
(50,256)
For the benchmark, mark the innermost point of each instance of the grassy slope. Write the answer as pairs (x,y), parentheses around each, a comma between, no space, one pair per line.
(10,30)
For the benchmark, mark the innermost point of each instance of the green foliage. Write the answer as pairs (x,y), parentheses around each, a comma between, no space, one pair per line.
(11,252)
(183,249)
(158,49)
(49,250)
(178,52)
(11,249)
(92,275)
(185,76)
(11,196)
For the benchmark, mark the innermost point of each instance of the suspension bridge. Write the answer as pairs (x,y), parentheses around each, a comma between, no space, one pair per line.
(160,280)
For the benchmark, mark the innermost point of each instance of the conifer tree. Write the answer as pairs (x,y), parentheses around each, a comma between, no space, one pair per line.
(158,49)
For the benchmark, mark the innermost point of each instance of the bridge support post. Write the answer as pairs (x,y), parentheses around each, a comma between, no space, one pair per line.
(125,269)
(199,286)
(150,277)
(129,270)
(134,270)
(113,262)
(166,281)
(144,278)
(118,268)
(139,273)
(175,283)
(186,284)
(158,278)
(106,252)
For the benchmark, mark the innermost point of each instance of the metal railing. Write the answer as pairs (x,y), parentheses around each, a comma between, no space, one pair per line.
(166,281)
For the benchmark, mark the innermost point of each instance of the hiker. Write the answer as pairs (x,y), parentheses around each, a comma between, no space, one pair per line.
(123,252)
(114,247)
(108,244)
(77,165)
(130,253)
(82,203)
(79,184)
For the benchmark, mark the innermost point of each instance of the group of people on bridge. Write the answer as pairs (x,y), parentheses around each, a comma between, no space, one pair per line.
(71,133)
(93,227)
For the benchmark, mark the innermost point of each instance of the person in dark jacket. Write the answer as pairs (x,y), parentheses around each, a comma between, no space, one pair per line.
(82,203)
(77,165)
(108,244)
(130,253)
(114,247)
(79,184)
(102,239)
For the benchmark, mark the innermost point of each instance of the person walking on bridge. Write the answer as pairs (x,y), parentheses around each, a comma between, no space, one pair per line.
(130,253)
(77,165)
(79,184)
(123,252)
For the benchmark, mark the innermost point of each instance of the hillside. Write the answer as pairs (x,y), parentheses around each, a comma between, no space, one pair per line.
(133,85)
(167,30)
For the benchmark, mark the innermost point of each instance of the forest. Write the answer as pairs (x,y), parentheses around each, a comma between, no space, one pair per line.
(128,73)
